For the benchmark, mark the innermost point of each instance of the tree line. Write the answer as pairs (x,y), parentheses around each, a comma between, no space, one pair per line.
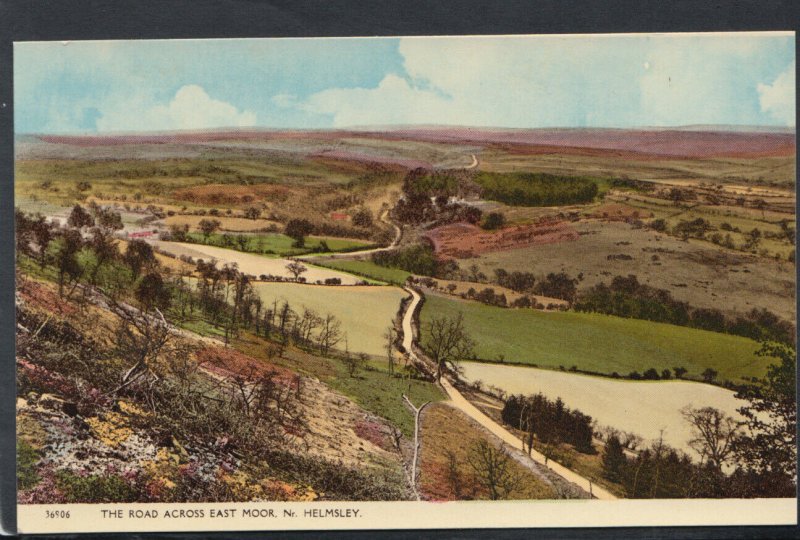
(626,297)
(755,457)
(536,189)
(551,422)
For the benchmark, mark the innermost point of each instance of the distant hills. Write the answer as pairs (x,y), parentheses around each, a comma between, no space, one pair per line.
(639,143)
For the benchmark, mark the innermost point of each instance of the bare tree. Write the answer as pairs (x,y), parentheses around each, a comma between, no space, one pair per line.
(390,335)
(713,432)
(454,474)
(493,469)
(296,268)
(448,342)
(330,333)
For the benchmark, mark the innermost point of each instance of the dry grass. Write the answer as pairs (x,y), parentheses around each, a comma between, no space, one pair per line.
(695,271)
(445,429)
(232,224)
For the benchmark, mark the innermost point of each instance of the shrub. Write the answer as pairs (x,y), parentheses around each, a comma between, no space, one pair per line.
(27,457)
(494,220)
(96,488)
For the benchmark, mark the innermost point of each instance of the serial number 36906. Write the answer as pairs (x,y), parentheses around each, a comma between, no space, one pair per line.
(57,514)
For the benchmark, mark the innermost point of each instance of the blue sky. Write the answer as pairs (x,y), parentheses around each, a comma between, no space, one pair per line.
(520,81)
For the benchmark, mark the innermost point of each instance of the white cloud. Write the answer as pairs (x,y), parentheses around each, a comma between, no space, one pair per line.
(191,108)
(778,99)
(560,81)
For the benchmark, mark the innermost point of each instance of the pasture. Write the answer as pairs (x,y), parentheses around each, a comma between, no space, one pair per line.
(254,265)
(367,269)
(280,244)
(596,343)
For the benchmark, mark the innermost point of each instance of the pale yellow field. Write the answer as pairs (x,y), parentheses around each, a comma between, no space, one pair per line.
(251,264)
(640,407)
(364,311)
(233,224)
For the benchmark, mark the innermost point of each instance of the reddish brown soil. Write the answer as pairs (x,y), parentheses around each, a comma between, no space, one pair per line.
(462,241)
(45,298)
(618,212)
(225,362)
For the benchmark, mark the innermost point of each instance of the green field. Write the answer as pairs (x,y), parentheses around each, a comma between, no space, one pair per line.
(597,343)
(364,311)
(367,269)
(279,244)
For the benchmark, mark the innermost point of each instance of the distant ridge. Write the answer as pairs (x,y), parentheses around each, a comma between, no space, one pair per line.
(699,141)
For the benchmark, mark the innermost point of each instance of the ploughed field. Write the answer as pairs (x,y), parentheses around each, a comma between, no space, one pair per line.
(596,343)
(364,311)
(641,407)
(249,263)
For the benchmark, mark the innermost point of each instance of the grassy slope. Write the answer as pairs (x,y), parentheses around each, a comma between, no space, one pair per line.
(597,343)
(367,269)
(372,388)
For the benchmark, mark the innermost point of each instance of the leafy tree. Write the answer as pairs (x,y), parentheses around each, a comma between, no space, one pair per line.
(298,229)
(253,213)
(178,233)
(472,214)
(709,374)
(447,342)
(679,372)
(494,220)
(296,268)
(208,226)
(613,459)
(23,230)
(362,217)
(152,292)
(138,256)
(69,269)
(80,218)
(651,375)
(43,235)
(768,446)
(558,285)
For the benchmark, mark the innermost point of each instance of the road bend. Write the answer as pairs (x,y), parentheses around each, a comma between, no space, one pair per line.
(458,401)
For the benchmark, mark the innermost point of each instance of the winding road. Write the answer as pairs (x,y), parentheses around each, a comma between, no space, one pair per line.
(458,401)
(398,233)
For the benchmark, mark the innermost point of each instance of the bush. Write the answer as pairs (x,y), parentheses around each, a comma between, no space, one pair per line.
(27,457)
(95,488)
(417,259)
(494,220)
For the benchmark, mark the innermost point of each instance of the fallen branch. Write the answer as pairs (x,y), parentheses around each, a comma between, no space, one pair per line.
(417,412)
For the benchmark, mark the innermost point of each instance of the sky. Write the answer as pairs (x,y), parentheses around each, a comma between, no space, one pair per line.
(636,80)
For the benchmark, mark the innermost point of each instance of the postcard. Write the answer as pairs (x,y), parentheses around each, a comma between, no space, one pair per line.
(366,283)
